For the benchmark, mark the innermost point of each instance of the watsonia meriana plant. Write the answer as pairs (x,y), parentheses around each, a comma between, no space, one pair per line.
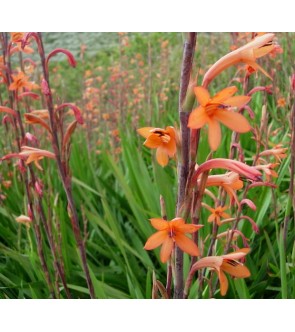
(195,181)
(54,125)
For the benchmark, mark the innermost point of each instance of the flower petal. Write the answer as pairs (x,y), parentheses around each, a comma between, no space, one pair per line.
(224,94)
(162,156)
(217,218)
(223,283)
(211,218)
(261,51)
(214,134)
(231,193)
(145,132)
(234,121)
(238,254)
(210,261)
(188,228)
(153,141)
(166,249)
(171,131)
(185,244)
(177,222)
(198,118)
(237,101)
(202,95)
(225,215)
(156,240)
(257,67)
(235,269)
(170,147)
(159,224)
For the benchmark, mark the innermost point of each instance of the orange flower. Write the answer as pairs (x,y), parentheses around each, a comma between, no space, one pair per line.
(16,37)
(226,263)
(268,170)
(248,54)
(249,172)
(106,116)
(277,151)
(164,140)
(171,233)
(229,181)
(216,213)
(216,109)
(281,102)
(43,114)
(22,219)
(20,81)
(34,155)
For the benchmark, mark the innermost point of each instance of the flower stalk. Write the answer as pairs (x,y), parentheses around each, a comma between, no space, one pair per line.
(183,164)
(65,178)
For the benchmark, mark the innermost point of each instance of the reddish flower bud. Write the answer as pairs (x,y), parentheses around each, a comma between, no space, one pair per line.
(21,166)
(6,119)
(28,94)
(30,212)
(293,83)
(31,138)
(249,203)
(71,60)
(45,88)
(75,109)
(39,187)
(8,110)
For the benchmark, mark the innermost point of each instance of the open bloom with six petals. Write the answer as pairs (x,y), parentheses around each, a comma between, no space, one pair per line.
(164,140)
(217,213)
(171,233)
(217,109)
(227,263)
(20,80)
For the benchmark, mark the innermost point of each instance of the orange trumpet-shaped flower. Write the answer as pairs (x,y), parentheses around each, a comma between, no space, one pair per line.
(230,182)
(227,263)
(248,54)
(170,233)
(250,172)
(34,155)
(164,140)
(217,109)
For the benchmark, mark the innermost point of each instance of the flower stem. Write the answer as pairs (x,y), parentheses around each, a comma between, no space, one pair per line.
(183,164)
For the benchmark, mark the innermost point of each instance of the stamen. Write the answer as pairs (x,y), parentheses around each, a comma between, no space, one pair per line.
(165,138)
(267,44)
(232,262)
(159,132)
